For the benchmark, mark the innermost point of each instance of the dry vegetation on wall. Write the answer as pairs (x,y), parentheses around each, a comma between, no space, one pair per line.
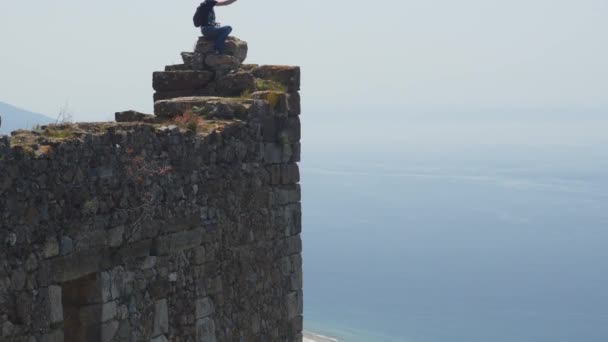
(190,121)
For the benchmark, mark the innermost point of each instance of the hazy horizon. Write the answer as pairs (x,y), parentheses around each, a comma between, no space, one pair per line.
(473,54)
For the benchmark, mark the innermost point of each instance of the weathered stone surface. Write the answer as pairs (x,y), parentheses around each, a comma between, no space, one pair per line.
(204,308)
(55,304)
(71,267)
(290,174)
(217,107)
(168,95)
(278,101)
(133,116)
(109,330)
(205,330)
(235,84)
(67,245)
(50,248)
(108,311)
(180,80)
(194,60)
(221,62)
(104,286)
(177,67)
(295,304)
(116,236)
(161,318)
(294,104)
(286,75)
(234,47)
(172,243)
(18,278)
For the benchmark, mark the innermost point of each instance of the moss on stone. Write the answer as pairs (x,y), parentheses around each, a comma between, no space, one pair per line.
(262,85)
(58,132)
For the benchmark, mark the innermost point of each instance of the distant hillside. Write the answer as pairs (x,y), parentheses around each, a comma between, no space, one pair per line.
(14,118)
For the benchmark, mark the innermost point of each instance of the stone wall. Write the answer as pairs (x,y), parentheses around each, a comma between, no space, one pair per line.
(159,228)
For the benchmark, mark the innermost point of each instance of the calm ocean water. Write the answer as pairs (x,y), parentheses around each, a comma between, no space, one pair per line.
(498,244)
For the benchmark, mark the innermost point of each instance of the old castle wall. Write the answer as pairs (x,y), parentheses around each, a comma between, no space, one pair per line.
(156,229)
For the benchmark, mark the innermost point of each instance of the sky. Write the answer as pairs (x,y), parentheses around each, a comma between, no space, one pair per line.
(357,57)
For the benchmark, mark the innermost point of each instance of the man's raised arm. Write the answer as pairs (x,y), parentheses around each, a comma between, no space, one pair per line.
(225,2)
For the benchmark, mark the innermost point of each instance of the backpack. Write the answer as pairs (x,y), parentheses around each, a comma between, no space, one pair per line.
(198,16)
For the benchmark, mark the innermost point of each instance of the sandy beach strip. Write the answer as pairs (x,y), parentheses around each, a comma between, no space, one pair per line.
(310,337)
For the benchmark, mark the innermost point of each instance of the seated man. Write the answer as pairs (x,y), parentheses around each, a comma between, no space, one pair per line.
(205,19)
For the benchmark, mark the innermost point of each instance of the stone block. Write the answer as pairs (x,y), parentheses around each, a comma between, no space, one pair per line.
(295,304)
(234,47)
(160,338)
(277,100)
(286,266)
(167,95)
(161,317)
(109,311)
(288,152)
(208,107)
(293,245)
(70,267)
(292,215)
(177,67)
(199,255)
(109,330)
(204,308)
(55,304)
(270,129)
(290,173)
(18,278)
(194,60)
(133,250)
(181,80)
(148,263)
(115,236)
(273,153)
(205,330)
(274,172)
(294,106)
(221,63)
(286,75)
(296,281)
(295,153)
(235,84)
(296,325)
(287,195)
(133,116)
(104,286)
(50,248)
(176,242)
(291,131)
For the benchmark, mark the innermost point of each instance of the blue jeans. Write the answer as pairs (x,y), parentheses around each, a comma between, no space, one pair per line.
(218,34)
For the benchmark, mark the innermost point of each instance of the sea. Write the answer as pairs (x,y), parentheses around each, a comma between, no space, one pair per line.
(428,232)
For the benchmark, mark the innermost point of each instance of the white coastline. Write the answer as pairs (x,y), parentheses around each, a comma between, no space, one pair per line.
(311,337)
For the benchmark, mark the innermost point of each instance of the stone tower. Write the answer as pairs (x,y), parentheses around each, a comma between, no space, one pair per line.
(179,226)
